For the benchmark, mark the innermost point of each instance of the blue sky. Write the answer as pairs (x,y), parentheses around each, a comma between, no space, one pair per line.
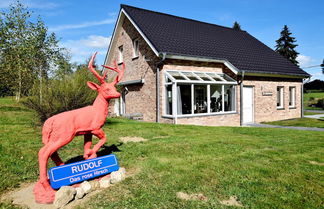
(86,26)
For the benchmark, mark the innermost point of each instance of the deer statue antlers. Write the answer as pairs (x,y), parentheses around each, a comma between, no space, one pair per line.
(116,69)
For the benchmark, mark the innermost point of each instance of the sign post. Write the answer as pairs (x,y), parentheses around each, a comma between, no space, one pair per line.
(80,171)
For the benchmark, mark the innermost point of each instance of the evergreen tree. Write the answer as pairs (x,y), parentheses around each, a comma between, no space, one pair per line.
(286,47)
(236,26)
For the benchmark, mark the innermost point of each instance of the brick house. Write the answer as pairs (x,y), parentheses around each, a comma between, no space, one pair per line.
(185,71)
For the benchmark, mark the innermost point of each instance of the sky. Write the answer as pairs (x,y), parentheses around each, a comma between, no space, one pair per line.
(86,26)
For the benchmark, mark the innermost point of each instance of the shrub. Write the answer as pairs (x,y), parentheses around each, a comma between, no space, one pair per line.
(70,92)
(320,103)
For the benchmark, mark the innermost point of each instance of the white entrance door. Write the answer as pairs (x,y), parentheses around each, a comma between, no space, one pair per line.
(248,105)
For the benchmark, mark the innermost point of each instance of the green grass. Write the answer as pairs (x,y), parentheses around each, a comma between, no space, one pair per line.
(301,122)
(263,167)
(307,101)
(311,113)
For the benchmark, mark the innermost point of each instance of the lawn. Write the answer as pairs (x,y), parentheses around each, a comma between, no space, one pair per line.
(307,99)
(311,113)
(302,122)
(263,167)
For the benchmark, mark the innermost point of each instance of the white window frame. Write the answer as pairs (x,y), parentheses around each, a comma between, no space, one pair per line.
(281,97)
(292,96)
(174,82)
(135,48)
(120,54)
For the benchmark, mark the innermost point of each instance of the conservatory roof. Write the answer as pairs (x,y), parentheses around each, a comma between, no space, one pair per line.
(176,76)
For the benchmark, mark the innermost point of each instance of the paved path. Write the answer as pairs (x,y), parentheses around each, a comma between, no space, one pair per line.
(314,116)
(288,127)
(315,111)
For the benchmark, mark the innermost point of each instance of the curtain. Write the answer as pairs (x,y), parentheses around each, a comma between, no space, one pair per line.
(179,102)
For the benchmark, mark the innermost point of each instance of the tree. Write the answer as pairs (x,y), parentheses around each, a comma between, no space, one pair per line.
(27,50)
(286,47)
(236,26)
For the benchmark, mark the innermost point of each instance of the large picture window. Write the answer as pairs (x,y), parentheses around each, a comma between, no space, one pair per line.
(199,93)
(200,101)
(216,98)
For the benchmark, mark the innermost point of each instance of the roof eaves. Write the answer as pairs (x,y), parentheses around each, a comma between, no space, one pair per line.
(149,42)
(113,36)
(276,74)
(228,64)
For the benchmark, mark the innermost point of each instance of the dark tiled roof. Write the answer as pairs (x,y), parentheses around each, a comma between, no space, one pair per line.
(181,36)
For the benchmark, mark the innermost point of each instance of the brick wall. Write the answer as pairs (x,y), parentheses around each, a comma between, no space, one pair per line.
(266,105)
(140,98)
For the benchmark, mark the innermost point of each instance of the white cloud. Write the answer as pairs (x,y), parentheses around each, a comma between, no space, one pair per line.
(82,25)
(304,61)
(96,41)
(82,49)
(316,73)
(29,4)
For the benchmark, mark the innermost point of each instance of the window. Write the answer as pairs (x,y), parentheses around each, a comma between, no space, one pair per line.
(280,97)
(200,101)
(120,54)
(216,99)
(199,93)
(292,96)
(135,48)
(169,100)
(184,99)
(229,98)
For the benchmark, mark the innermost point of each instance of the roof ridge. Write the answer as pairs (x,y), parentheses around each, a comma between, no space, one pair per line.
(184,18)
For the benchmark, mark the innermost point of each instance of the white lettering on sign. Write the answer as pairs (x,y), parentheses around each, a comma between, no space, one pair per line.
(86,166)
(74,179)
(101,172)
(87,176)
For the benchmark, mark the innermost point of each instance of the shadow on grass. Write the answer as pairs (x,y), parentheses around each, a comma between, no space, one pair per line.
(106,150)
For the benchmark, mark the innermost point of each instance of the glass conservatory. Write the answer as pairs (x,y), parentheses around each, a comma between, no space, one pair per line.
(191,93)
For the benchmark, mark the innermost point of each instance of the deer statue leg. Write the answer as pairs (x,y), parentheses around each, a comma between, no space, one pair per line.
(56,158)
(87,146)
(43,190)
(102,140)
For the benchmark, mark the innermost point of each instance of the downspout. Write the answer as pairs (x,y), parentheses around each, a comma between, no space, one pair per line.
(158,86)
(241,98)
(302,99)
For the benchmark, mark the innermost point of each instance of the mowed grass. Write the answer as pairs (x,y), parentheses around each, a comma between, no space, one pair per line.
(301,122)
(264,168)
(307,101)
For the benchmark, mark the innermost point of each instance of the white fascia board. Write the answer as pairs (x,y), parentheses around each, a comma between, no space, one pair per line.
(201,59)
(140,32)
(206,82)
(275,75)
(113,37)
(122,13)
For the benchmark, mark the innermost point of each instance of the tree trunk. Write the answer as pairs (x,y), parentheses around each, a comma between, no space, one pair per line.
(18,94)
(40,86)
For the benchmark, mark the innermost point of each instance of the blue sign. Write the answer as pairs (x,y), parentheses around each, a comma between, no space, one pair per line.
(76,172)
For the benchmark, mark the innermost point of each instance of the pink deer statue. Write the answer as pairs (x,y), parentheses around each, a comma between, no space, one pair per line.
(60,129)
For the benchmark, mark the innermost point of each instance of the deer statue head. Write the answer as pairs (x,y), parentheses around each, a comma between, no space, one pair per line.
(107,90)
